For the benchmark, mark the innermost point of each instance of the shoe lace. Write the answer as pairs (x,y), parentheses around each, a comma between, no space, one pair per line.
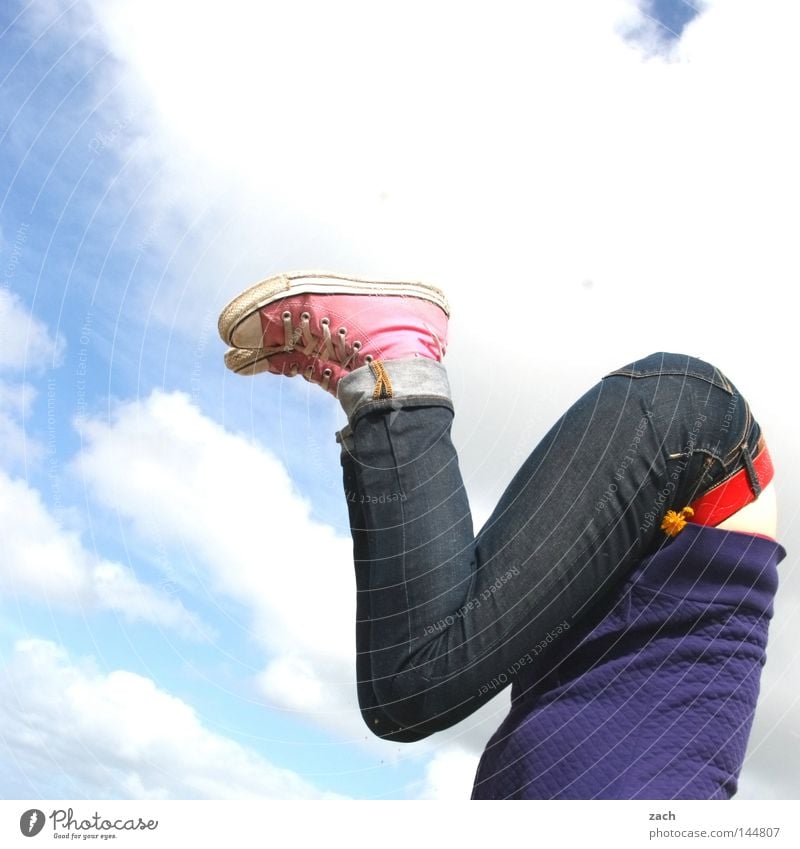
(321,347)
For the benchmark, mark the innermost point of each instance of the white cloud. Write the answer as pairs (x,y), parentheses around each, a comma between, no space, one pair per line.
(43,561)
(449,775)
(189,483)
(599,205)
(27,345)
(551,139)
(16,399)
(27,342)
(118,735)
(15,403)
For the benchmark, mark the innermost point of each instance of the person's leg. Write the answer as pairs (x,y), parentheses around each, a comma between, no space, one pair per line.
(323,326)
(375,717)
(442,613)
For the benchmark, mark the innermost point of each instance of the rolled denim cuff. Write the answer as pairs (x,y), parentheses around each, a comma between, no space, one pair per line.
(414,381)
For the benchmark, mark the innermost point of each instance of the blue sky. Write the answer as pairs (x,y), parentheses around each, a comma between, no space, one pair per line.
(163,634)
(673,16)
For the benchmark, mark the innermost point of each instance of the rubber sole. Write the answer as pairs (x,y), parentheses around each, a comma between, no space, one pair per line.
(246,361)
(320,283)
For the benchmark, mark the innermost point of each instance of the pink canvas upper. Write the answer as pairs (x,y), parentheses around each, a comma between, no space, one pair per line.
(359,327)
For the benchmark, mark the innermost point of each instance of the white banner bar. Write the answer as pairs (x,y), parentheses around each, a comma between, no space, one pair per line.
(385,825)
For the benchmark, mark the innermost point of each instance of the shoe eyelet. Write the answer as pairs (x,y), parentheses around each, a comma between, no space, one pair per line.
(356,345)
(287,314)
(326,321)
(368,358)
(305,316)
(327,372)
(343,331)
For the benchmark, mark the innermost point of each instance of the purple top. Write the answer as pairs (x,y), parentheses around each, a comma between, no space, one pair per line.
(656,699)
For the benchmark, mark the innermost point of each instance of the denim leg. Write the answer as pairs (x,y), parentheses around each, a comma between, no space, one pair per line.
(444,613)
(375,717)
(416,542)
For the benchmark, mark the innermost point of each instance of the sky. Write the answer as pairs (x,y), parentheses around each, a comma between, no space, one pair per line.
(588,181)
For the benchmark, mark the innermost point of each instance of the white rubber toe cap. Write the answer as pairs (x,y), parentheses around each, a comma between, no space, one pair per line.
(248,333)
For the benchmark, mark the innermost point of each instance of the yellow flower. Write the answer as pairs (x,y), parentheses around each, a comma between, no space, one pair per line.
(674,522)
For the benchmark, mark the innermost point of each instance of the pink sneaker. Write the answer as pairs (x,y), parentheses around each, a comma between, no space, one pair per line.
(323,325)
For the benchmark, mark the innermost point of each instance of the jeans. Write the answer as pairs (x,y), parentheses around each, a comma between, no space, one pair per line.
(440,611)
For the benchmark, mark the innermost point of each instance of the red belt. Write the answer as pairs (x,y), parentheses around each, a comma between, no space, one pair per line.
(726,498)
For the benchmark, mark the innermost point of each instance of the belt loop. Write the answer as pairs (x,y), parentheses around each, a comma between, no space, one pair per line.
(344,437)
(755,483)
